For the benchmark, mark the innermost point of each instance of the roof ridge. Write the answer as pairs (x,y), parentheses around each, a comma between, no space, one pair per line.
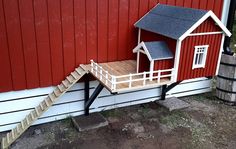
(174,17)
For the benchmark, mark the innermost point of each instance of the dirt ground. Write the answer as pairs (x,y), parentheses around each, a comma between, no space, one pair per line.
(206,124)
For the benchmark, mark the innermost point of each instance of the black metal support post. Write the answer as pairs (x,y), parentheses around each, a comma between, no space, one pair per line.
(230,24)
(91,99)
(166,88)
(86,90)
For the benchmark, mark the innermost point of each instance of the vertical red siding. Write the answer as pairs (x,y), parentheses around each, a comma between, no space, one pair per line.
(123,29)
(43,43)
(132,32)
(91,23)
(187,55)
(6,80)
(56,41)
(68,35)
(113,29)
(80,31)
(13,29)
(29,43)
(43,40)
(102,30)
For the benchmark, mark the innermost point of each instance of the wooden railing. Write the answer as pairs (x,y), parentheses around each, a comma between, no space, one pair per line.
(112,81)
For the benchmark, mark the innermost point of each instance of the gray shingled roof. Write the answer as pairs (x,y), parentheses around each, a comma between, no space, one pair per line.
(158,50)
(170,21)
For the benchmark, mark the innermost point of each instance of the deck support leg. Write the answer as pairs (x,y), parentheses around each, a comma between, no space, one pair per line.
(91,99)
(86,91)
(166,88)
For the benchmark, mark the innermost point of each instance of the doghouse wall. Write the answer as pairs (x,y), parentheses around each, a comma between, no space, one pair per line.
(43,40)
(187,52)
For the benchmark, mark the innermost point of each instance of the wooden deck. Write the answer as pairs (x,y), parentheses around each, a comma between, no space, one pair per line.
(123,68)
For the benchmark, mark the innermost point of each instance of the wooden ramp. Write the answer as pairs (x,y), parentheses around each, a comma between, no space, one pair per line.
(121,76)
(42,107)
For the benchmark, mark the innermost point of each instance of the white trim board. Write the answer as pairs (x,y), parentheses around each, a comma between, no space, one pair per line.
(225,11)
(204,18)
(72,103)
(206,33)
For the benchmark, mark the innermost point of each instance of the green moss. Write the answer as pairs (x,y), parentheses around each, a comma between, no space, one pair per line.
(200,132)
(112,113)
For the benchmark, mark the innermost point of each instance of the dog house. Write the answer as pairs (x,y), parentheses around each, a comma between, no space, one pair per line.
(185,39)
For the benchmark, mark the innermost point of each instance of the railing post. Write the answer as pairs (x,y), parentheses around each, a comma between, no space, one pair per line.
(96,69)
(159,76)
(106,76)
(113,82)
(144,78)
(172,75)
(91,65)
(100,72)
(130,80)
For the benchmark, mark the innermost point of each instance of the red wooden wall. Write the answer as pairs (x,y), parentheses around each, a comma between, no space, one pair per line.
(41,41)
(187,52)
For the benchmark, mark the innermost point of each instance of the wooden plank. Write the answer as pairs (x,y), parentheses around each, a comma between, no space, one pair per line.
(102,30)
(123,30)
(163,1)
(29,43)
(195,4)
(187,3)
(13,29)
(6,81)
(133,32)
(143,7)
(152,3)
(171,2)
(119,68)
(218,8)
(180,2)
(68,35)
(56,42)
(113,29)
(91,22)
(203,4)
(80,31)
(43,46)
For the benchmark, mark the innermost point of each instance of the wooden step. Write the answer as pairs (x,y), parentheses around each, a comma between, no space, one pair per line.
(47,102)
(18,128)
(3,143)
(52,97)
(56,92)
(74,75)
(13,133)
(70,79)
(37,111)
(61,88)
(65,83)
(79,71)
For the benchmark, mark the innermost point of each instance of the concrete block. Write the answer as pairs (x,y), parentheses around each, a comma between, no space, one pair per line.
(92,121)
(173,103)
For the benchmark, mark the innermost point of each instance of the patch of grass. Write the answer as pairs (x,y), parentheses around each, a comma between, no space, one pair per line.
(144,109)
(200,132)
(112,113)
(174,119)
(67,121)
